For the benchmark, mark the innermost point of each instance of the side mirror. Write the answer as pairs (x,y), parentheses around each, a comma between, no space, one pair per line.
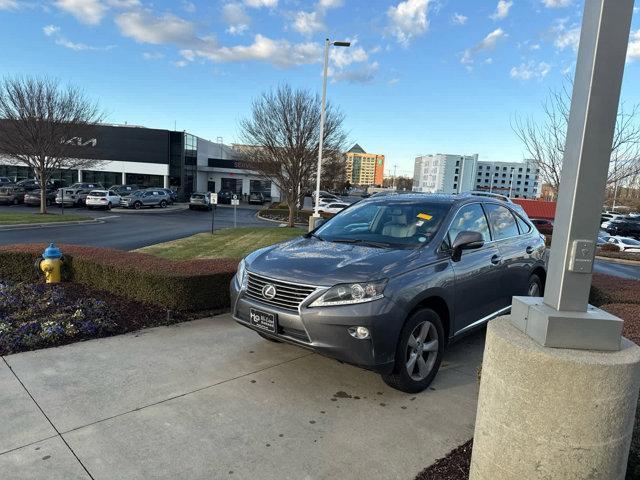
(466,240)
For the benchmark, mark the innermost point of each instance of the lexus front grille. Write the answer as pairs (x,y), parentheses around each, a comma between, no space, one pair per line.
(287,295)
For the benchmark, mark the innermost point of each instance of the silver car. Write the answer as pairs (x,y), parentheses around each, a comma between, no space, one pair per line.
(146,198)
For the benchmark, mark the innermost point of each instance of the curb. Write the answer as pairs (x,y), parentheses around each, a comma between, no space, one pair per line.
(133,211)
(24,226)
(278,221)
(621,261)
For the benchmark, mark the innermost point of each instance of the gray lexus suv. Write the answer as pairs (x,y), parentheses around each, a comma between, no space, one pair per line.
(390,281)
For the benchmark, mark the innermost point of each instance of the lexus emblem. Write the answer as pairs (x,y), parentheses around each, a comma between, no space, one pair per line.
(269,291)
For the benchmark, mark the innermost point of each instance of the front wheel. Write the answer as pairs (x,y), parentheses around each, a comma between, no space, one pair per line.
(419,352)
(137,205)
(163,204)
(535,286)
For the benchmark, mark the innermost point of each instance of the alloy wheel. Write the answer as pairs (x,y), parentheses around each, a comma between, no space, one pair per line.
(534,290)
(422,351)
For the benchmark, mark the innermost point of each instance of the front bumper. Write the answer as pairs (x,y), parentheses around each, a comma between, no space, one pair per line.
(325,329)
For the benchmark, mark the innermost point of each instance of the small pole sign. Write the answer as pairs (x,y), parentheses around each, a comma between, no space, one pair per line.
(235,202)
(213,201)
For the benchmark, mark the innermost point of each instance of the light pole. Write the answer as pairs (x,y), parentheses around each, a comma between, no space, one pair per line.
(511,184)
(327,44)
(493,179)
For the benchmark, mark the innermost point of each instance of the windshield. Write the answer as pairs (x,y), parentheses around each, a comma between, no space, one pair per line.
(96,193)
(389,223)
(630,241)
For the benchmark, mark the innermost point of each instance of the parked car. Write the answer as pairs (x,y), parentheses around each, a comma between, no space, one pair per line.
(623,227)
(602,239)
(173,195)
(12,194)
(607,218)
(199,201)
(124,190)
(391,281)
(625,244)
(543,225)
(76,194)
(256,198)
(29,184)
(5,181)
(225,196)
(333,207)
(146,198)
(102,199)
(32,198)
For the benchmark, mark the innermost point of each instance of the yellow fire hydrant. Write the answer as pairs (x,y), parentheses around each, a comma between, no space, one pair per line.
(51,264)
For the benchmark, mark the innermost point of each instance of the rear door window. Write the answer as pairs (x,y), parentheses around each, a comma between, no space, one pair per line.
(470,218)
(503,223)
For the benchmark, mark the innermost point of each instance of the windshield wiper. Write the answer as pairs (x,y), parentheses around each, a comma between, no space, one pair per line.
(309,235)
(359,241)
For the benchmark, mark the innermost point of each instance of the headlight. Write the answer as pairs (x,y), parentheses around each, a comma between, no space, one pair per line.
(241,273)
(350,293)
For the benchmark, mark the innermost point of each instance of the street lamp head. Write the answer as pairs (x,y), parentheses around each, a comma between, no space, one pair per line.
(341,44)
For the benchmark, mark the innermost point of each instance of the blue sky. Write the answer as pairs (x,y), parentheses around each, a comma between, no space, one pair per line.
(422,76)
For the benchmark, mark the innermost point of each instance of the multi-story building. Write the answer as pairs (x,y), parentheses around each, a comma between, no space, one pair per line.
(444,173)
(362,168)
(515,179)
(150,157)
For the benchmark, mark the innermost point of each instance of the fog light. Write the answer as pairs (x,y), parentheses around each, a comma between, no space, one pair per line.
(361,333)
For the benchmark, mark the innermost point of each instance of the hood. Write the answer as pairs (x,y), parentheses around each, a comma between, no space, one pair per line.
(323,263)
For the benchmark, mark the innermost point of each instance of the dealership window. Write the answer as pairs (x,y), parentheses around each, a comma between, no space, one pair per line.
(260,186)
(232,184)
(105,178)
(144,180)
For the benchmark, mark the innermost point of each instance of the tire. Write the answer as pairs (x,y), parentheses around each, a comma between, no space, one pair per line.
(109,206)
(163,204)
(534,288)
(420,377)
(16,201)
(266,337)
(137,205)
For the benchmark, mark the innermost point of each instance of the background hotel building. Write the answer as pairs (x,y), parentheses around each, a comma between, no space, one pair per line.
(364,168)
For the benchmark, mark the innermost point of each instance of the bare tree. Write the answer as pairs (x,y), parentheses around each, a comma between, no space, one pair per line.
(544,140)
(334,171)
(42,124)
(282,136)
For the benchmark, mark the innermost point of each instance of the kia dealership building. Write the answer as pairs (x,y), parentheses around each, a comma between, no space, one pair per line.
(150,157)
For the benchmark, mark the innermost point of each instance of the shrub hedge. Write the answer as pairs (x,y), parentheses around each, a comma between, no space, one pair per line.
(606,289)
(618,254)
(189,285)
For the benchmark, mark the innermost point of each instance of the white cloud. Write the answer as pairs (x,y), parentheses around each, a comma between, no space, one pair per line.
(633,51)
(488,43)
(54,32)
(343,57)
(530,70)
(557,3)
(123,3)
(280,53)
(308,23)
(566,37)
(261,3)
(458,19)
(152,55)
(50,30)
(9,5)
(145,27)
(90,12)
(327,4)
(408,20)
(180,63)
(535,46)
(188,7)
(237,19)
(364,74)
(502,9)
(393,81)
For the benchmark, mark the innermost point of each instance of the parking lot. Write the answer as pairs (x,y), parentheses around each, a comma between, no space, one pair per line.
(210,399)
(130,229)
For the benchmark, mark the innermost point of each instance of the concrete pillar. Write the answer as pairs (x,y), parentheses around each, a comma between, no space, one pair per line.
(123,178)
(79,175)
(553,414)
(166,181)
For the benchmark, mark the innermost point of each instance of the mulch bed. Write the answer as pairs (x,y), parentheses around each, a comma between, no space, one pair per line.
(34,316)
(455,466)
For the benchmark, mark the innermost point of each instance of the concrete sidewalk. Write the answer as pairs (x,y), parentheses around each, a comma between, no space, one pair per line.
(209,399)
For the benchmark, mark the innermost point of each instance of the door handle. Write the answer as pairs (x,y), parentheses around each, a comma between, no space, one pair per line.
(529,250)
(496,259)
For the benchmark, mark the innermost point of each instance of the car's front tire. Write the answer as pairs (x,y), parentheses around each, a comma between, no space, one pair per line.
(137,205)
(419,352)
(163,204)
(534,289)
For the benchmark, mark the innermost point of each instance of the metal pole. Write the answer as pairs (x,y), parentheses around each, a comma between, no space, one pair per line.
(594,106)
(213,212)
(511,184)
(235,216)
(316,212)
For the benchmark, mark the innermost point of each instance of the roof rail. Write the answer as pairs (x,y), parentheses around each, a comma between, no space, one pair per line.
(497,196)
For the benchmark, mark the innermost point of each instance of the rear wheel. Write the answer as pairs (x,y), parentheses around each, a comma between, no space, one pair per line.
(163,204)
(16,201)
(535,286)
(109,206)
(137,205)
(419,352)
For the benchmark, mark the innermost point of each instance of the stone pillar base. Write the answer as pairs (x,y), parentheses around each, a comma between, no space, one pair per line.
(553,414)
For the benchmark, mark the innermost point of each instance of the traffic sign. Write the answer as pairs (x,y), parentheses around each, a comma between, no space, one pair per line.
(235,201)
(213,198)
(235,197)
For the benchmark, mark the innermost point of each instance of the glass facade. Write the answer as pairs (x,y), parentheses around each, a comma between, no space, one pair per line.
(233,184)
(105,178)
(19,172)
(144,180)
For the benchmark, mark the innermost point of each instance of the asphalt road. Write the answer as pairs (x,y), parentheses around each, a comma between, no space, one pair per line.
(129,230)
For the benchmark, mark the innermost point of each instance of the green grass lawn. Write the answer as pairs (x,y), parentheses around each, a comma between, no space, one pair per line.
(20,218)
(225,243)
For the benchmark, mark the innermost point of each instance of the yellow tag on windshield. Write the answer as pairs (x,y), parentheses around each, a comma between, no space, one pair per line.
(425,216)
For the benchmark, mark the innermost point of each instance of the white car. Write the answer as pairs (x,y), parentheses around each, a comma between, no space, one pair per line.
(102,199)
(625,244)
(609,217)
(334,207)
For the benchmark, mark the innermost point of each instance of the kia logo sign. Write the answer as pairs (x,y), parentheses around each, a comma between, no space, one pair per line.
(269,291)
(78,141)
